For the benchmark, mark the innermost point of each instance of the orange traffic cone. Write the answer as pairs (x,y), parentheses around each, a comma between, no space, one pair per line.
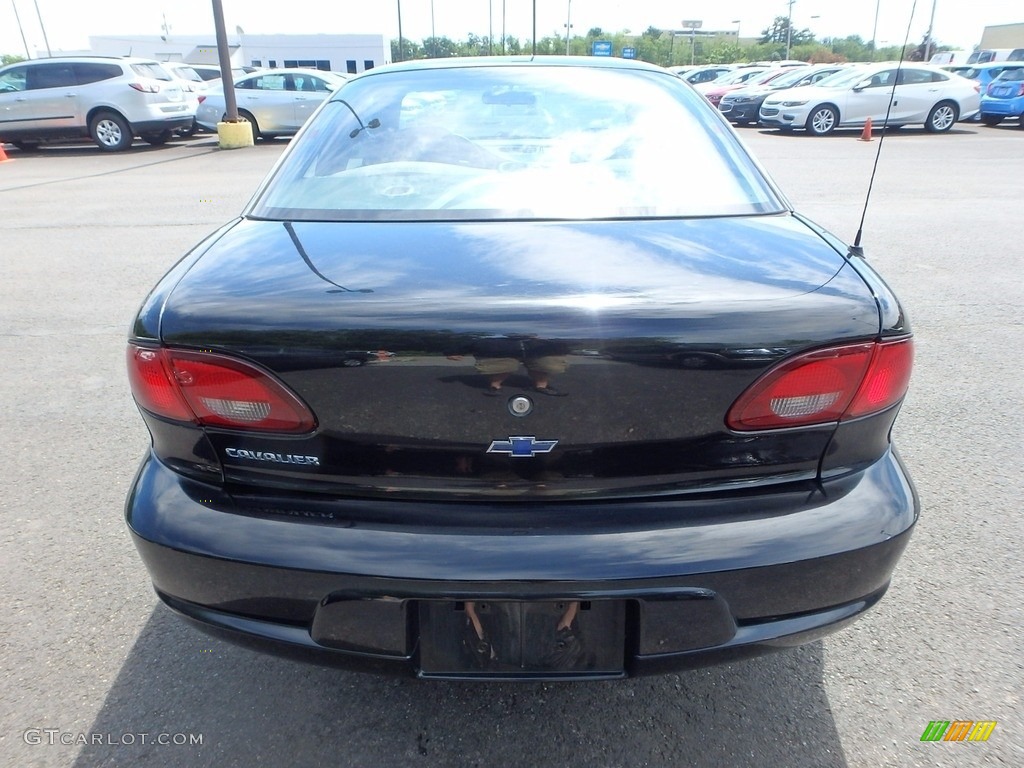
(865,135)
(3,155)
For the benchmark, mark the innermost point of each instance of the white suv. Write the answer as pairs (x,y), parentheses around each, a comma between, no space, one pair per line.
(110,100)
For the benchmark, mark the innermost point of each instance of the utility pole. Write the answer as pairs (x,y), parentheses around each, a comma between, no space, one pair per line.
(224,58)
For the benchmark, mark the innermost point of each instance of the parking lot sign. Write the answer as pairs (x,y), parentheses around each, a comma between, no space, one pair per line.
(629,53)
(601,48)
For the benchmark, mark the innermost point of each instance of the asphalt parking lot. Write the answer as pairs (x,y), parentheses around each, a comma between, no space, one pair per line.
(98,674)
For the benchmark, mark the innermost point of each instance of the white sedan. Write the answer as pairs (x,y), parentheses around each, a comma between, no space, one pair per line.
(887,94)
(276,102)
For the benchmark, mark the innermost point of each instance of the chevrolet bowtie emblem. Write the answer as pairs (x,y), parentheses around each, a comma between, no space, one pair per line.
(522,447)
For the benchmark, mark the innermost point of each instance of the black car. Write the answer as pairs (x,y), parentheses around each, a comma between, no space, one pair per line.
(634,412)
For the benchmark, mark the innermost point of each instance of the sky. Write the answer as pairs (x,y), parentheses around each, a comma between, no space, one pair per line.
(69,23)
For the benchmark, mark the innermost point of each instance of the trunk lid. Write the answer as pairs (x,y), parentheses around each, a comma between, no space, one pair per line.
(393,334)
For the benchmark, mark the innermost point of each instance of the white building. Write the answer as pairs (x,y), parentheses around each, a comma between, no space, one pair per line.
(348,54)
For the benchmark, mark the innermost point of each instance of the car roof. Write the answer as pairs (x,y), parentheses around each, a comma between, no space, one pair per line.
(590,62)
(284,70)
(87,57)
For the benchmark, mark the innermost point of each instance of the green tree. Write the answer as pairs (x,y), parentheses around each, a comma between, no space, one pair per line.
(7,58)
(512,46)
(778,32)
(851,48)
(410,50)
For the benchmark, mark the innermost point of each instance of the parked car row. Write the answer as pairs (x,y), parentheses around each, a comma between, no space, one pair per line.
(110,100)
(113,100)
(276,102)
(820,99)
(743,105)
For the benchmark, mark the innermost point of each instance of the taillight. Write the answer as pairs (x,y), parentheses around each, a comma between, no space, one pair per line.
(145,87)
(202,99)
(827,385)
(213,390)
(1020,90)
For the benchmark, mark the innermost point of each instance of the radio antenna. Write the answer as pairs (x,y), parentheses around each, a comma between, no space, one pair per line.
(856,248)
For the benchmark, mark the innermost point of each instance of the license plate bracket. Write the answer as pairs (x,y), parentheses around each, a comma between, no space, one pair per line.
(549,638)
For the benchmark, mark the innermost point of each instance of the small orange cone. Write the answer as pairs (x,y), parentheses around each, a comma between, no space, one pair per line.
(865,135)
(3,155)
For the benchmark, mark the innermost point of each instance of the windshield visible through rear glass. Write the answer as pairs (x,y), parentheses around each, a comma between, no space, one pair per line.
(516,142)
(152,71)
(1016,74)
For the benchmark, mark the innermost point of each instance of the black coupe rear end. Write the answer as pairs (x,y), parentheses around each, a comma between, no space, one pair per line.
(520,369)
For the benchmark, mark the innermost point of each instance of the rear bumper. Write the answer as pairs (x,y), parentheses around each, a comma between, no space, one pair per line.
(694,582)
(163,124)
(1008,108)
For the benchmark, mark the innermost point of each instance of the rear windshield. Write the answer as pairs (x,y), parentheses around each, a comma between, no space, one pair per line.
(187,73)
(1016,74)
(515,142)
(153,71)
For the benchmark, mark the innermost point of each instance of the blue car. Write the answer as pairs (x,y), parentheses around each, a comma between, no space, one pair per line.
(982,74)
(1004,97)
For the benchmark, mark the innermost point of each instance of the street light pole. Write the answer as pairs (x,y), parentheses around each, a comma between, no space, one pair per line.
(21,30)
(789,29)
(928,38)
(401,52)
(568,24)
(874,29)
(45,40)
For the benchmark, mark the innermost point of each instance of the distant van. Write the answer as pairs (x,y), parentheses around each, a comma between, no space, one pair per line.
(945,58)
(1017,54)
(985,55)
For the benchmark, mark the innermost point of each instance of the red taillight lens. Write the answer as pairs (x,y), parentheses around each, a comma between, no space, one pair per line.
(202,99)
(214,390)
(886,381)
(145,87)
(152,387)
(825,386)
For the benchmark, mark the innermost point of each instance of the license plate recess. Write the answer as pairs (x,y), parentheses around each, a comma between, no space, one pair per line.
(551,638)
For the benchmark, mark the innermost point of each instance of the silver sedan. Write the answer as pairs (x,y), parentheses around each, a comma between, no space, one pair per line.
(275,101)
